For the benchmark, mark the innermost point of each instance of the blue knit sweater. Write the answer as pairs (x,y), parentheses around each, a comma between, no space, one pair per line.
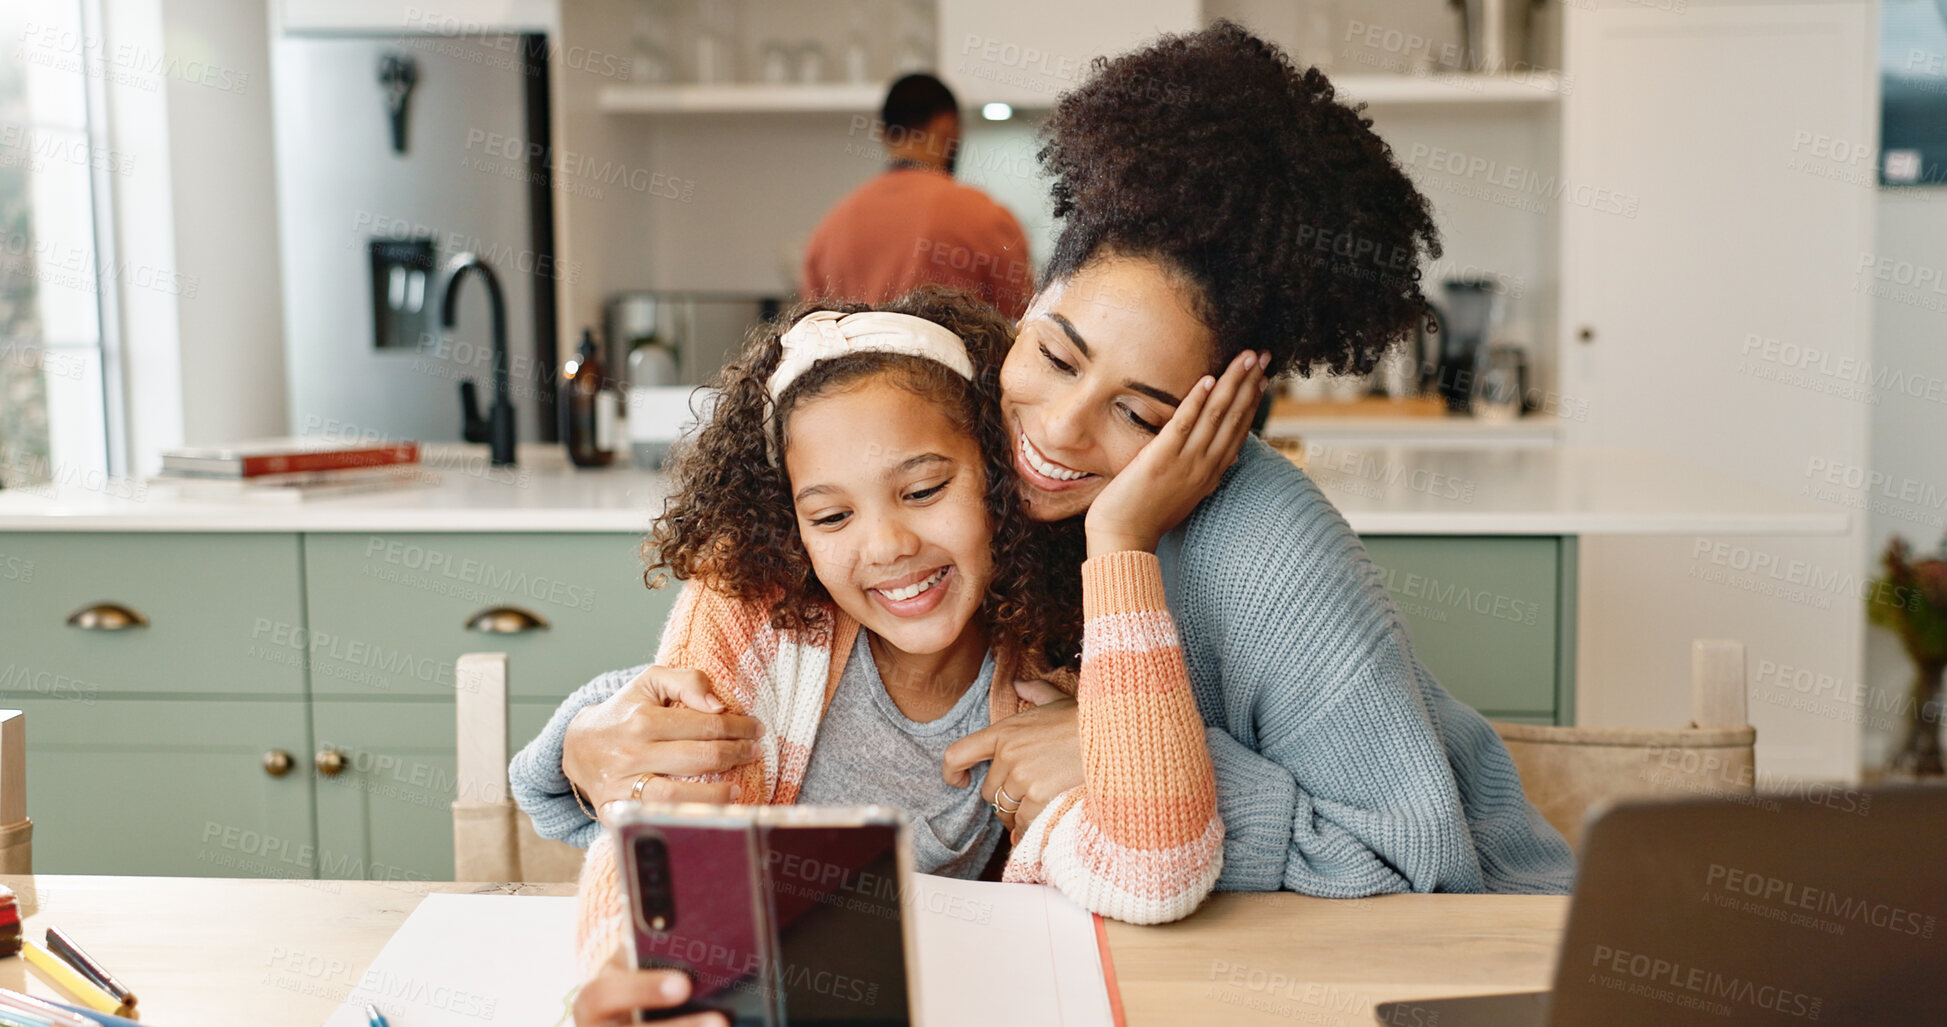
(1343,768)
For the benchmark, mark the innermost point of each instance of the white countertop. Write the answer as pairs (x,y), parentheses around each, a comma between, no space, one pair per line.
(542,492)
(1382,490)
(1422,422)
(1424,432)
(1553,490)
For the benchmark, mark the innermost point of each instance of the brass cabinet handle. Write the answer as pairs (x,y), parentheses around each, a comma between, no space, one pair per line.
(277,763)
(106,617)
(505,620)
(331,762)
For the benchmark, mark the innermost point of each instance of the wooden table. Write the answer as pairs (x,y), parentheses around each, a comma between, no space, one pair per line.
(211,951)
(1280,958)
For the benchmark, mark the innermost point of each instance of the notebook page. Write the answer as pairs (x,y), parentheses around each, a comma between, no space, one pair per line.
(988,953)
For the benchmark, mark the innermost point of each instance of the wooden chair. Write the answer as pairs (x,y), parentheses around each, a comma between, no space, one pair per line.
(492,839)
(16,831)
(1568,770)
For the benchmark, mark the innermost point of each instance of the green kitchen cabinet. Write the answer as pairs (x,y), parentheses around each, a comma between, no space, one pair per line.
(215,613)
(389,614)
(148,745)
(1491,617)
(384,809)
(169,787)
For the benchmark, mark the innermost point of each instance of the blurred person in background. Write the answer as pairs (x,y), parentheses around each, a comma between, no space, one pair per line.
(913,224)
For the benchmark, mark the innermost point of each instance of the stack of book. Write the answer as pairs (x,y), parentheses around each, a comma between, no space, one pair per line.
(293,469)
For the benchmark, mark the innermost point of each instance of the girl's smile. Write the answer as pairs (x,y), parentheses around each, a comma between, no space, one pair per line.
(890,497)
(915,595)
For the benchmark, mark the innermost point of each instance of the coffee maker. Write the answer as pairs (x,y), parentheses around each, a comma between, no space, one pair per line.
(1451,360)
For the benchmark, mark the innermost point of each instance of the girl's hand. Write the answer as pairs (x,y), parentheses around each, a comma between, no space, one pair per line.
(1180,466)
(620,990)
(1038,692)
(1036,754)
(666,722)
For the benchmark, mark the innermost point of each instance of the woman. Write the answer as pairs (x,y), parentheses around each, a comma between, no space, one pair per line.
(1216,200)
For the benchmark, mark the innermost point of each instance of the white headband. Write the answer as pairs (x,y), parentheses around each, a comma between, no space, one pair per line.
(824,334)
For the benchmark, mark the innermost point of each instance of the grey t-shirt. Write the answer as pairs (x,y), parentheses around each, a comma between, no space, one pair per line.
(869,752)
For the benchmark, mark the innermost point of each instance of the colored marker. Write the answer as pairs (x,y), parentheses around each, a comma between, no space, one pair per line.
(105,1019)
(83,989)
(374,1018)
(47,1014)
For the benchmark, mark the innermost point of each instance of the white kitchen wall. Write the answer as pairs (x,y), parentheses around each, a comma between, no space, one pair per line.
(196,229)
(226,224)
(1906,487)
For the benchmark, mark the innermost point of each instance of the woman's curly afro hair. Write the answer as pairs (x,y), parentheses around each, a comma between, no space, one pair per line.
(1213,154)
(730,522)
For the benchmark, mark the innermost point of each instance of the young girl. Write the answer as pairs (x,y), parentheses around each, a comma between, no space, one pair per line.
(860,578)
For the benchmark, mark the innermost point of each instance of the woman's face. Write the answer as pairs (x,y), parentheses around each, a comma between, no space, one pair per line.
(1100,364)
(890,499)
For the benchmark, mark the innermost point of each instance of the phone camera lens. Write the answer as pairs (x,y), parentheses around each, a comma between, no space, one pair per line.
(653,884)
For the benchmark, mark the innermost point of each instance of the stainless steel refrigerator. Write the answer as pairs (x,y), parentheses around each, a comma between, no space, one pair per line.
(394,155)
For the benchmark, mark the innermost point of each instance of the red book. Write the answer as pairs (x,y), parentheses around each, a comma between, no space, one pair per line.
(286,456)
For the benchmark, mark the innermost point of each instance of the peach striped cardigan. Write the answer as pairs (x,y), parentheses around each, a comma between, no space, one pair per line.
(1139,841)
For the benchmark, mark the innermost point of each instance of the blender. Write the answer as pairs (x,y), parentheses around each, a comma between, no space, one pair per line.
(1453,362)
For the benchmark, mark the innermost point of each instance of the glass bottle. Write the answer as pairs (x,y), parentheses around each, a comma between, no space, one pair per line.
(588,408)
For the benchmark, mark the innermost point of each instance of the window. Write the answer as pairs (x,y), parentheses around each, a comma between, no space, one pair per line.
(53,408)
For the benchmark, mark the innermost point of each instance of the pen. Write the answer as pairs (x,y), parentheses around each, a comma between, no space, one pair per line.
(83,989)
(373,1017)
(61,944)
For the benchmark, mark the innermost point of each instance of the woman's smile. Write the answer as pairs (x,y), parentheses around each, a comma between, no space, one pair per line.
(1100,363)
(1044,473)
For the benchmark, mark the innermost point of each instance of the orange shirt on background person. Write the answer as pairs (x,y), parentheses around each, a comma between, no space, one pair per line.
(913,226)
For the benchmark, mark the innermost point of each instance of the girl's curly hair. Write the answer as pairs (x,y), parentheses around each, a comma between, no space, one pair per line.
(729,518)
(1211,152)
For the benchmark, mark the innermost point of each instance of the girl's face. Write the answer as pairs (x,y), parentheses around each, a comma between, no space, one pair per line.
(1101,362)
(890,498)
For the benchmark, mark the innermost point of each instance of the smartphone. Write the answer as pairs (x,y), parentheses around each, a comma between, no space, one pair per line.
(694,881)
(781,915)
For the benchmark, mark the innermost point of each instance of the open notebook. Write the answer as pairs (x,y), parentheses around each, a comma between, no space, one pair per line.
(988,953)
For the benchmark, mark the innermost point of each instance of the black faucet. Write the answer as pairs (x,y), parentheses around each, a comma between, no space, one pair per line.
(498,428)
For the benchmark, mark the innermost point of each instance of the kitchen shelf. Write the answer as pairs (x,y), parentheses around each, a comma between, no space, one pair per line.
(1451,88)
(1421,422)
(795,98)
(1454,89)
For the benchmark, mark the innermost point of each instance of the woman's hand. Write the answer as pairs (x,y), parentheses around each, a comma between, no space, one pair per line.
(1181,465)
(620,990)
(666,721)
(1036,754)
